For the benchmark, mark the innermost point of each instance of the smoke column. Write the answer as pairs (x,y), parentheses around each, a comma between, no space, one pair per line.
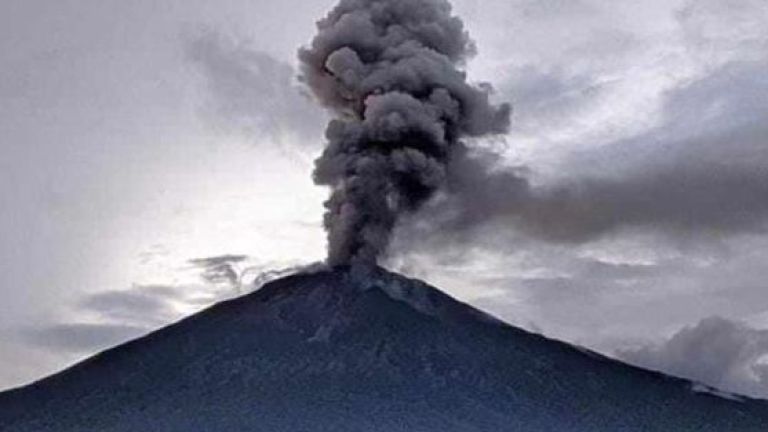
(390,71)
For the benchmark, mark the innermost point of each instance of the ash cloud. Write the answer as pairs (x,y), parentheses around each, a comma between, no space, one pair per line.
(703,171)
(391,73)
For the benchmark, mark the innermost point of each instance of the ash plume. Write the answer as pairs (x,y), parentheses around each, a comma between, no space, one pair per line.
(391,72)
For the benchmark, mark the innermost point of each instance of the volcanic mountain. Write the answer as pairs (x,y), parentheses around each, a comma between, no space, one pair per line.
(341,350)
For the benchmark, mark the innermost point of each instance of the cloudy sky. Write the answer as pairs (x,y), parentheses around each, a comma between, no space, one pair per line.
(155,157)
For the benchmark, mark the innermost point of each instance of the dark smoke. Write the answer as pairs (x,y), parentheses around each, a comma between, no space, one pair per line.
(391,72)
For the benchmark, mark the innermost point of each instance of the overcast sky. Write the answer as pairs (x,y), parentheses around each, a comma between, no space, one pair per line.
(156,157)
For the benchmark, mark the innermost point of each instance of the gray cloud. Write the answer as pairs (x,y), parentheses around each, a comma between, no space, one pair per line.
(721,353)
(82,338)
(253,90)
(111,317)
(143,306)
(220,269)
(115,317)
(546,99)
(240,273)
(720,29)
(586,301)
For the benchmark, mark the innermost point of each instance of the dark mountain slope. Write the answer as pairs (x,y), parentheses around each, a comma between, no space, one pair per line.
(333,351)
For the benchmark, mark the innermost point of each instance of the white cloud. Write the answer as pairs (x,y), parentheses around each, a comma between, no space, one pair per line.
(721,353)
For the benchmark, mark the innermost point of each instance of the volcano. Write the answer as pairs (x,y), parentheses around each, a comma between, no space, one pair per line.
(341,350)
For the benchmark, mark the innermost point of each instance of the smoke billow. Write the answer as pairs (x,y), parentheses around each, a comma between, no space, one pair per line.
(391,71)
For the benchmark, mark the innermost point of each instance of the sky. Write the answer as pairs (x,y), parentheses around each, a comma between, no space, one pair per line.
(156,158)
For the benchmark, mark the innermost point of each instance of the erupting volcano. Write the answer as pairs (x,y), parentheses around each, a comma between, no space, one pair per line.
(353,347)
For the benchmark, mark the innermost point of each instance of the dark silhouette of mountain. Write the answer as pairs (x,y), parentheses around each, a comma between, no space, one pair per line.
(346,351)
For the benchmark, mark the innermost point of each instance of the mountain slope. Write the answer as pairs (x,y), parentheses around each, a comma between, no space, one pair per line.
(336,351)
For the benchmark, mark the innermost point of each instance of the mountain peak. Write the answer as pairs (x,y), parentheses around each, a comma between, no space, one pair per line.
(333,292)
(350,349)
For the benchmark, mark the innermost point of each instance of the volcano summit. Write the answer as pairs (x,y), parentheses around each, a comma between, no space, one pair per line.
(339,351)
